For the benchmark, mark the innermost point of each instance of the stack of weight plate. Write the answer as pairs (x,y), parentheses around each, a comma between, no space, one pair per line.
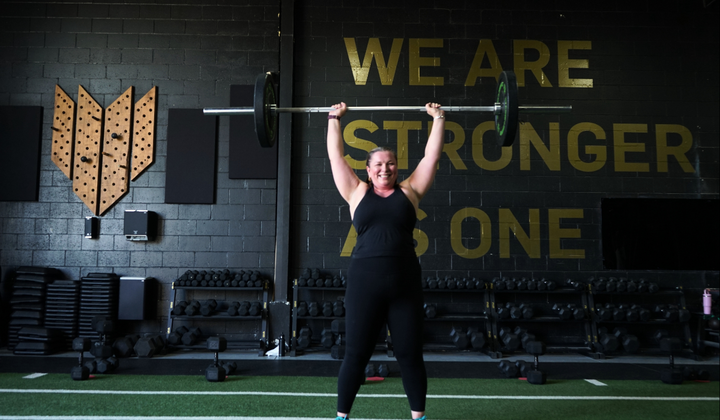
(27,305)
(98,298)
(62,309)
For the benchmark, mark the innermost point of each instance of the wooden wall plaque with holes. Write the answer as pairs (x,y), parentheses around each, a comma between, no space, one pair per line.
(115,159)
(143,148)
(88,143)
(63,128)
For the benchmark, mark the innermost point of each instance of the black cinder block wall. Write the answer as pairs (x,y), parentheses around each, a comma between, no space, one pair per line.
(193,51)
(641,77)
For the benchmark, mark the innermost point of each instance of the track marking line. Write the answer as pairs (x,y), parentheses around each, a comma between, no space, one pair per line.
(595,382)
(334,395)
(34,375)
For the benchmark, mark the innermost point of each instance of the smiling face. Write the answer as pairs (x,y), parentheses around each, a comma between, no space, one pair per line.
(382,169)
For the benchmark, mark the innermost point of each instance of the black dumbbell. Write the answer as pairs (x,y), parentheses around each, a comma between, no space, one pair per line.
(562,311)
(605,313)
(459,338)
(191,337)
(175,338)
(338,308)
(304,337)
(643,314)
(527,310)
(216,372)
(515,311)
(669,313)
(432,283)
(510,284)
(631,286)
(327,309)
(632,314)
(451,283)
(244,308)
(629,342)
(522,368)
(314,309)
(532,284)
(542,285)
(230,367)
(599,284)
(508,368)
(179,308)
(80,372)
(327,338)
(576,285)
(535,376)
(192,308)
(208,307)
(611,285)
(146,347)
(255,309)
(232,309)
(577,312)
(503,312)
(442,283)
(510,341)
(107,365)
(498,284)
(461,284)
(621,285)
(619,313)
(123,347)
(337,281)
(608,341)
(302,309)
(430,310)
(476,338)
(524,336)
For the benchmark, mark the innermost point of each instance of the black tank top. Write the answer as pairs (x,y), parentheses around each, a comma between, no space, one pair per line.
(384,225)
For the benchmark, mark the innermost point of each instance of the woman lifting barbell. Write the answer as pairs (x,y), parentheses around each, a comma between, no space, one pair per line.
(384,276)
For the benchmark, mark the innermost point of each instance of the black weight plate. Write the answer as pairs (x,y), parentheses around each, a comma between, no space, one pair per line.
(266,121)
(506,122)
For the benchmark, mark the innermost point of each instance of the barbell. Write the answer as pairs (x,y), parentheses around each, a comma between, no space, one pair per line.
(505,109)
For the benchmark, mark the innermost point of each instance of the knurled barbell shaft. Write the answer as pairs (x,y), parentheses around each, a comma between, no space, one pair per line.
(495,109)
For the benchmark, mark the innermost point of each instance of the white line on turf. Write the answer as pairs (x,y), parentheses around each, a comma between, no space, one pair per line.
(158,418)
(595,382)
(308,394)
(34,375)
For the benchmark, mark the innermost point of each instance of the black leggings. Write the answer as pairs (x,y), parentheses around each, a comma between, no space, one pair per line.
(380,290)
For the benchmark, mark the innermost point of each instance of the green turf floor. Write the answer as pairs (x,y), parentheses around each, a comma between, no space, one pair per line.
(314,397)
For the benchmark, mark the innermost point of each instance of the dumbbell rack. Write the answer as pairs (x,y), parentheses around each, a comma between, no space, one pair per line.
(676,296)
(540,301)
(480,319)
(263,317)
(294,350)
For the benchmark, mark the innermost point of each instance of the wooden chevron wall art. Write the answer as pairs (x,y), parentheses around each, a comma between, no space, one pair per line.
(96,148)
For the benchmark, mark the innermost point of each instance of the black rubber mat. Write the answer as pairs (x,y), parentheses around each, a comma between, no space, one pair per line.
(329,368)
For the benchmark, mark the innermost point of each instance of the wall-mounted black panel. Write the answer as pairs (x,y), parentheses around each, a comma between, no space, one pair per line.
(20,140)
(248,160)
(191,157)
(661,234)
